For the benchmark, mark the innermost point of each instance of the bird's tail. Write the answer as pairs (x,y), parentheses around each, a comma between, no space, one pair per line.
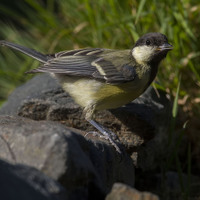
(30,52)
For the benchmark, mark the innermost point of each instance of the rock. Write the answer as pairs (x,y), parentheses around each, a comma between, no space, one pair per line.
(36,85)
(124,192)
(141,125)
(144,129)
(87,169)
(27,183)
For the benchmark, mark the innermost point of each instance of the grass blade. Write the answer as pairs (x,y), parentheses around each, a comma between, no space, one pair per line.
(140,8)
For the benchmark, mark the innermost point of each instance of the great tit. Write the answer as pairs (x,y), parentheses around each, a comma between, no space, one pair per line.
(98,78)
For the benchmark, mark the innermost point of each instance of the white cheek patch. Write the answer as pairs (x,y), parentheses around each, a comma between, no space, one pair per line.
(142,54)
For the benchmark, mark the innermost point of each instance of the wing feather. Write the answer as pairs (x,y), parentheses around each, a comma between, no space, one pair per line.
(94,63)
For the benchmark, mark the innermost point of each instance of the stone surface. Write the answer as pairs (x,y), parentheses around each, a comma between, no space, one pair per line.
(124,192)
(142,126)
(26,183)
(86,168)
(36,85)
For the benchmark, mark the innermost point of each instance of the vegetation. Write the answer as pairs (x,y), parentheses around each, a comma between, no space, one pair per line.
(50,26)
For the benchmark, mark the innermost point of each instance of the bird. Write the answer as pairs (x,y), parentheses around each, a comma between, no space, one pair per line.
(100,78)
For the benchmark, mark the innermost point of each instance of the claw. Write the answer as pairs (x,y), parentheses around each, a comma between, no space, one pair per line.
(107,135)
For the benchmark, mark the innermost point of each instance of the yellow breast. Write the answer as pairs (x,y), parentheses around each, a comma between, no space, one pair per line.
(88,92)
(114,96)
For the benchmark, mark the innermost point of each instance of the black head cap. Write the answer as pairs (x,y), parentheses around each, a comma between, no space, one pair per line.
(152,39)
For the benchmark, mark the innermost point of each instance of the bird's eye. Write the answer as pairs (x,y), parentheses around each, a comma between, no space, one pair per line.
(148,42)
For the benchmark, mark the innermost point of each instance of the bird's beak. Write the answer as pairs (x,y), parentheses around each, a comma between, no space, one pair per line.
(165,46)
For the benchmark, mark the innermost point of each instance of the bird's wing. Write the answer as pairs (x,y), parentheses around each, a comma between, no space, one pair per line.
(101,64)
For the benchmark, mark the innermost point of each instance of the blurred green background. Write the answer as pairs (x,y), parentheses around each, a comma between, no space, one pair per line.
(51,26)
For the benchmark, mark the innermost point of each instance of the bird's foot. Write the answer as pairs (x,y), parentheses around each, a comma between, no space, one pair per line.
(112,135)
(105,135)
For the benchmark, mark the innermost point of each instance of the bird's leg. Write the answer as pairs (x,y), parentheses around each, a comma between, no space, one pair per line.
(105,134)
(108,135)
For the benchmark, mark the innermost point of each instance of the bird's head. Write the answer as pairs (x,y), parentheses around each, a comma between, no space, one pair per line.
(151,48)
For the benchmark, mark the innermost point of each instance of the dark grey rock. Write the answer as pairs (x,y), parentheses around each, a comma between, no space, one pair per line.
(124,192)
(145,125)
(142,126)
(36,85)
(86,168)
(27,183)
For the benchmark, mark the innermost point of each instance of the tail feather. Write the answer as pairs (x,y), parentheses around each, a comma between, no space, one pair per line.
(30,52)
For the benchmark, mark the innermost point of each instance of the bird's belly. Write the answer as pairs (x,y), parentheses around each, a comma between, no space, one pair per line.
(82,90)
(87,92)
(119,95)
